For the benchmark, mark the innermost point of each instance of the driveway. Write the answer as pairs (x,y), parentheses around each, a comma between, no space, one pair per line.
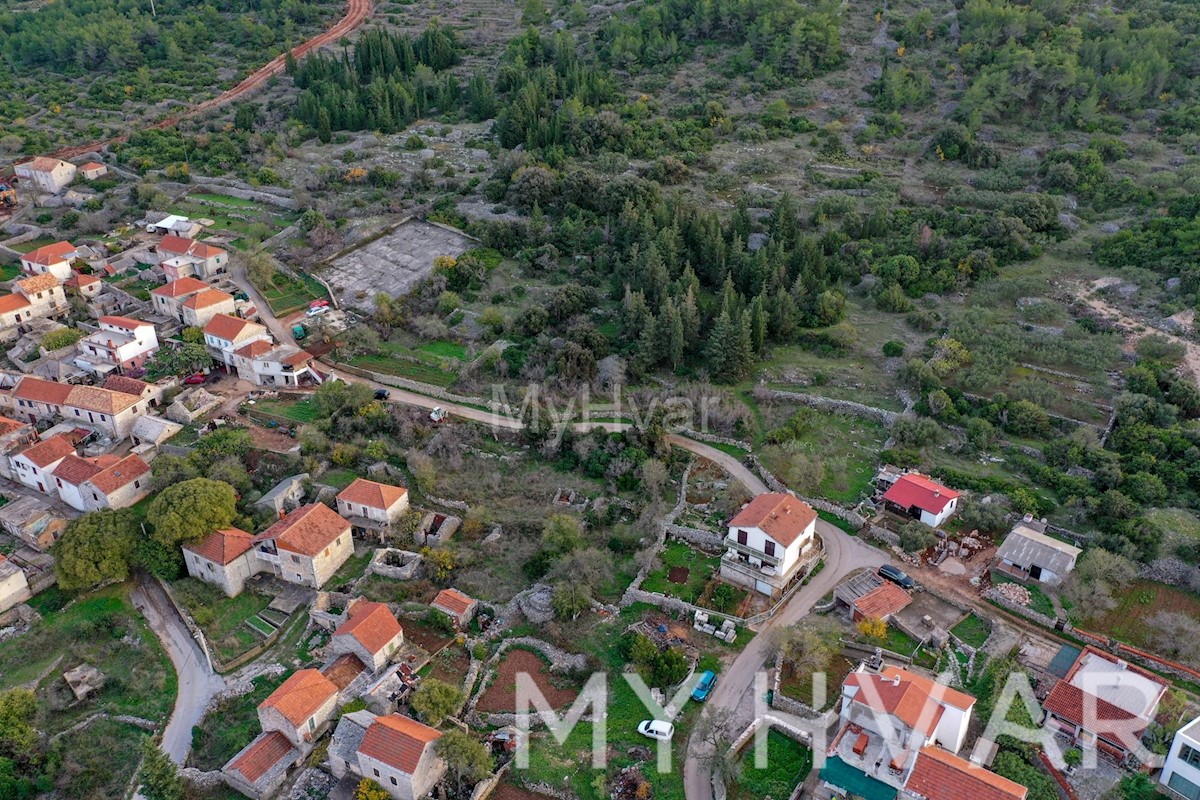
(197,682)
(735,690)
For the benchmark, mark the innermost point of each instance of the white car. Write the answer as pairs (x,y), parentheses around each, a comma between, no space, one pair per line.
(318,311)
(656,729)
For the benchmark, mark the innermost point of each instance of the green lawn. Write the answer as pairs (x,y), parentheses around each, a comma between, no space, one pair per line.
(34,244)
(299,410)
(788,763)
(896,640)
(338,478)
(837,522)
(445,349)
(219,616)
(700,568)
(230,726)
(223,200)
(352,570)
(972,631)
(405,368)
(10,271)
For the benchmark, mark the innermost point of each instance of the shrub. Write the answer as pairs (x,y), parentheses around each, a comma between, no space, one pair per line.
(63,337)
(893,349)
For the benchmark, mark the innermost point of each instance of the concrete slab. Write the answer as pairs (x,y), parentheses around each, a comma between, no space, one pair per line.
(943,614)
(393,264)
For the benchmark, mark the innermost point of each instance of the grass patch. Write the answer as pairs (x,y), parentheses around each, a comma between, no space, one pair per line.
(219,616)
(33,244)
(972,631)
(1039,600)
(230,726)
(800,687)
(10,272)
(837,522)
(352,570)
(260,626)
(445,349)
(338,478)
(788,763)
(223,200)
(405,368)
(300,410)
(679,556)
(1136,603)
(285,294)
(99,760)
(829,455)
(896,640)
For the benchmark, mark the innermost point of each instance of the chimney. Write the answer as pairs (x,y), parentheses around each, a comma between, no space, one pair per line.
(937,492)
(896,679)
(1027,518)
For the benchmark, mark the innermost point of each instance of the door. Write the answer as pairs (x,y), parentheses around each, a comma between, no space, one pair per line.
(762,587)
(1035,572)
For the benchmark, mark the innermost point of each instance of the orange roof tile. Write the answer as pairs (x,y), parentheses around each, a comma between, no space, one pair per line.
(1068,701)
(226,327)
(178,245)
(262,755)
(93,398)
(91,165)
(38,283)
(223,546)
(397,741)
(121,474)
(298,357)
(42,391)
(207,298)
(51,253)
(344,670)
(299,697)
(43,164)
(125,384)
(179,288)
(259,347)
(781,516)
(882,602)
(129,323)
(75,470)
(47,452)
(372,494)
(454,601)
(308,530)
(372,624)
(12,302)
(940,692)
(941,775)
(8,425)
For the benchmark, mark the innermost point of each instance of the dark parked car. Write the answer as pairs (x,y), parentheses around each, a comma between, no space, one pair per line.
(896,576)
(707,681)
(381,394)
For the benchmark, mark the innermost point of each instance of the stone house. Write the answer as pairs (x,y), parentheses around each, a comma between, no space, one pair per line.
(93,170)
(14,435)
(300,706)
(260,768)
(168,298)
(370,632)
(224,558)
(199,309)
(34,466)
(119,485)
(370,505)
(48,174)
(113,412)
(456,605)
(396,752)
(32,521)
(225,334)
(54,259)
(33,298)
(187,258)
(14,587)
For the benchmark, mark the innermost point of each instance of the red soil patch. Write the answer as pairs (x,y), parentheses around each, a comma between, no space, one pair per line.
(451,666)
(678,575)
(507,791)
(501,695)
(427,639)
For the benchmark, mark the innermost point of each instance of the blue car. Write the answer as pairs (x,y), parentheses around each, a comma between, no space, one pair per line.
(707,681)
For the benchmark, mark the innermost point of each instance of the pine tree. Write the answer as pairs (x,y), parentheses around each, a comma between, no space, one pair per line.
(670,334)
(654,277)
(159,776)
(635,315)
(689,314)
(324,129)
(647,355)
(740,355)
(758,325)
(718,349)
(785,317)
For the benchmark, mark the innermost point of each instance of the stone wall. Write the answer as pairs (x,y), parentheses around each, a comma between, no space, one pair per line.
(712,438)
(884,416)
(403,573)
(696,536)
(1028,613)
(426,389)
(239,190)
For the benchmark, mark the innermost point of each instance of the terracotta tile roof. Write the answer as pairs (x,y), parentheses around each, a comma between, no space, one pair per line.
(206,298)
(298,357)
(259,347)
(454,601)
(47,452)
(8,426)
(344,669)
(882,602)
(93,398)
(179,245)
(91,165)
(226,327)
(75,470)
(372,494)
(85,279)
(372,624)
(915,489)
(262,755)
(12,302)
(308,530)
(1116,724)
(51,253)
(42,391)
(397,741)
(904,700)
(121,474)
(129,323)
(43,164)
(179,288)
(299,697)
(223,546)
(940,692)
(125,384)
(38,283)
(940,775)
(781,516)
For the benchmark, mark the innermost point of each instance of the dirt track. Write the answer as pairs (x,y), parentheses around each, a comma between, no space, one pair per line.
(356,15)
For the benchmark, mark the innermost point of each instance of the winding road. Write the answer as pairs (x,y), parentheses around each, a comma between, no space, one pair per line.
(357,12)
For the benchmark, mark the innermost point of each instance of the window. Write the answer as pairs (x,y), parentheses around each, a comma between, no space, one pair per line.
(1183,786)
(95,497)
(376,772)
(312,723)
(394,782)
(742,537)
(326,551)
(296,559)
(137,484)
(1189,755)
(769,547)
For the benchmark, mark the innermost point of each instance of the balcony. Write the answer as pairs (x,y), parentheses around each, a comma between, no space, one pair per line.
(750,552)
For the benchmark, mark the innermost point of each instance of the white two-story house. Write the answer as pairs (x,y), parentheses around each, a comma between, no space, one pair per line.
(121,344)
(768,541)
(225,335)
(1181,771)
(32,298)
(54,259)
(48,174)
(187,258)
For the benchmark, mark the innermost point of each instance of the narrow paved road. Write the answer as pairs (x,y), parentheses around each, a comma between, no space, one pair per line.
(197,682)
(735,689)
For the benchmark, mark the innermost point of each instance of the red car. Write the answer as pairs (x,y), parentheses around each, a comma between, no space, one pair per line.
(192,380)
(318,304)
